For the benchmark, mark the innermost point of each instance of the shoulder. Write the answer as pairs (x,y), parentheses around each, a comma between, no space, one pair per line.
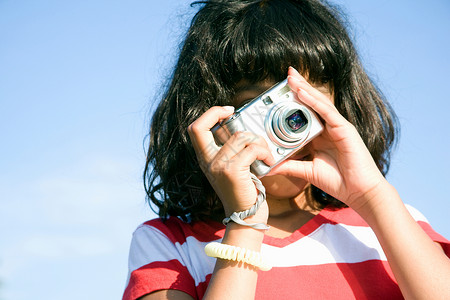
(169,254)
(171,230)
(350,219)
(171,239)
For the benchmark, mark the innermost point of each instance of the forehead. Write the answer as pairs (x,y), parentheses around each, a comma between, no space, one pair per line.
(245,84)
(245,90)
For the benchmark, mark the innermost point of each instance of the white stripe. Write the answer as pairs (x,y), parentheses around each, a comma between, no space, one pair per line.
(199,264)
(328,244)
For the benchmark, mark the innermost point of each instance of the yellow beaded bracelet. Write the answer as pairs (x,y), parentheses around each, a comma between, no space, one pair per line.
(234,253)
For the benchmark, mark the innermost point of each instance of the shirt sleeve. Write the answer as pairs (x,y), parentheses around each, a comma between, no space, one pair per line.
(423,222)
(155,263)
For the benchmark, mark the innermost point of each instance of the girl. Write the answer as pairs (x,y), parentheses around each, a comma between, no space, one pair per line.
(337,230)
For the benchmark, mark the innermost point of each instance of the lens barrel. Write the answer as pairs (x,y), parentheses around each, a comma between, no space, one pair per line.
(290,124)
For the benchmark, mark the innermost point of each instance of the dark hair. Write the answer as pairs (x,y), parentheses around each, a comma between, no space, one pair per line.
(232,40)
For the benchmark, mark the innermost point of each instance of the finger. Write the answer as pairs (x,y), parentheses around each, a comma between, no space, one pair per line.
(328,112)
(254,152)
(296,81)
(292,72)
(200,130)
(242,160)
(322,107)
(294,168)
(240,141)
(315,99)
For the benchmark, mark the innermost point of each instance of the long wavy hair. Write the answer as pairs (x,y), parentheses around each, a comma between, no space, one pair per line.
(253,40)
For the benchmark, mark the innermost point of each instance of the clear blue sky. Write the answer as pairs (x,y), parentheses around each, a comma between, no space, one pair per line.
(77,79)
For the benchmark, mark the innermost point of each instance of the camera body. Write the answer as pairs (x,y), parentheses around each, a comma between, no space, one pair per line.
(278,117)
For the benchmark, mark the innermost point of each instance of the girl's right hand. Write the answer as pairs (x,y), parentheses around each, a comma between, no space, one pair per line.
(228,167)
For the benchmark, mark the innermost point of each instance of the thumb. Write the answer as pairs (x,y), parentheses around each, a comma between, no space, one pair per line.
(294,168)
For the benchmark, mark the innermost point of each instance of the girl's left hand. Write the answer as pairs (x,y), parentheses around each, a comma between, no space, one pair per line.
(342,165)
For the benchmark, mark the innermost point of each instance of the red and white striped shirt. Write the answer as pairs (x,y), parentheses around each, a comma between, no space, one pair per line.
(335,255)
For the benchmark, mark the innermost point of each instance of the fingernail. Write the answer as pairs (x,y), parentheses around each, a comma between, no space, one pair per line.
(294,69)
(228,108)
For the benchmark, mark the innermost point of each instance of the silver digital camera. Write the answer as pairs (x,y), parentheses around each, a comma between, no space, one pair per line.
(276,115)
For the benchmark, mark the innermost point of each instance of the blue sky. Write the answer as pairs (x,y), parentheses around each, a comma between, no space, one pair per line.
(77,80)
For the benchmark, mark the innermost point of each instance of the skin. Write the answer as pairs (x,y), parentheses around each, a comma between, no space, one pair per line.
(338,163)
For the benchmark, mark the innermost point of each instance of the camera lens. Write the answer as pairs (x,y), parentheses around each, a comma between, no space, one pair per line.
(290,124)
(296,120)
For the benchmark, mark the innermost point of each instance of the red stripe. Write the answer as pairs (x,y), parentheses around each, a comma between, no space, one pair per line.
(346,216)
(366,280)
(177,230)
(201,288)
(159,276)
(205,231)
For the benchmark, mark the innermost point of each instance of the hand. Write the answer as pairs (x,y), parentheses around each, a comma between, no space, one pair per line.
(342,165)
(228,167)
